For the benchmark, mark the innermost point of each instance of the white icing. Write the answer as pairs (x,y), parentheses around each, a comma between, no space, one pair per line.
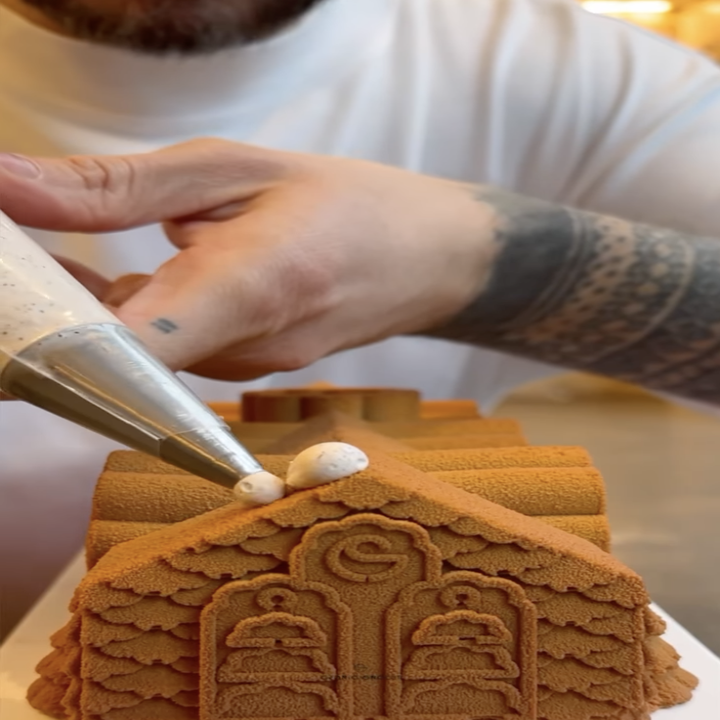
(37,295)
(324,463)
(259,489)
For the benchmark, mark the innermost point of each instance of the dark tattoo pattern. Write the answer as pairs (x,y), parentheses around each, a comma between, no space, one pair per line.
(164,325)
(593,293)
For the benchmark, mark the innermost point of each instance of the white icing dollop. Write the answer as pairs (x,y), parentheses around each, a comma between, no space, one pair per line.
(260,488)
(324,463)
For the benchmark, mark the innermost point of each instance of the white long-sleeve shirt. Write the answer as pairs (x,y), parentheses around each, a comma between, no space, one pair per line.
(536,96)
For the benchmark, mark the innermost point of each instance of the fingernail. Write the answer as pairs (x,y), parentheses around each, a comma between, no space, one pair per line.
(19,165)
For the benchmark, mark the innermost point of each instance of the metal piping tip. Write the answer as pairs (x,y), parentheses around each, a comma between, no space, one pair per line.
(103,378)
(212,453)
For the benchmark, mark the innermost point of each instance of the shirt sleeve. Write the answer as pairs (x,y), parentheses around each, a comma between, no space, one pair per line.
(603,115)
(656,156)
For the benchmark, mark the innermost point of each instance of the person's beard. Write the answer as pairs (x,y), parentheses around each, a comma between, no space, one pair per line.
(173,26)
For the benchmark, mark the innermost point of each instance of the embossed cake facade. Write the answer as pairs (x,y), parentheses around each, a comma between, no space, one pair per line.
(390,594)
(366,603)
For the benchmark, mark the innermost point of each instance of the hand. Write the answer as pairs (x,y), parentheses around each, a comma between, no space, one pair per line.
(284,258)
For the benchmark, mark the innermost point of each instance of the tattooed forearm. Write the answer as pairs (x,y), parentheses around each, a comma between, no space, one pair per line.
(594,293)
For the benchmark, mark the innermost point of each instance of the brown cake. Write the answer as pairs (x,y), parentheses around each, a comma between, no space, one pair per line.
(298,404)
(452,582)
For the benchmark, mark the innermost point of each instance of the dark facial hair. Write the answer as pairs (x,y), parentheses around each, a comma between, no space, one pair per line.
(184,27)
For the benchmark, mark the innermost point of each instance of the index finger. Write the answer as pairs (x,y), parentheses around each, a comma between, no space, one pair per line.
(96,193)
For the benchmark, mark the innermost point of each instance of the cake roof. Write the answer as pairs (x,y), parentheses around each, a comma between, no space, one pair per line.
(396,490)
(137,494)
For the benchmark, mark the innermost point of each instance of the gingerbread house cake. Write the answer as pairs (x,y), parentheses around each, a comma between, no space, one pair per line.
(463,575)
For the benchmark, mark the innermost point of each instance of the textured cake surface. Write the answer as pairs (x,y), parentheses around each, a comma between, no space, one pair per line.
(451,582)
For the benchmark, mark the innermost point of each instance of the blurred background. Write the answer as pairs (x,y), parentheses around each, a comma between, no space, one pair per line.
(695,23)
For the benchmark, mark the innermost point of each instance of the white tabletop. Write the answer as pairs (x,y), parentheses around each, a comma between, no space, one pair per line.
(29,644)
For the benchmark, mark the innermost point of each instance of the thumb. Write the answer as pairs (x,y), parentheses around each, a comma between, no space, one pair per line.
(212,296)
(184,312)
(95,193)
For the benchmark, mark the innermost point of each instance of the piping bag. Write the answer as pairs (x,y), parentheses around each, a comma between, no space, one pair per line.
(63,351)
